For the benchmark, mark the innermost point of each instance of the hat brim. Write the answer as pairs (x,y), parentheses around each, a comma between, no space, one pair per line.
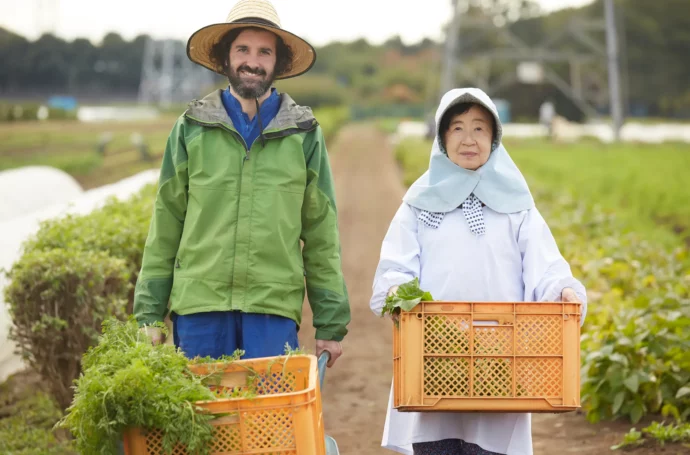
(200,43)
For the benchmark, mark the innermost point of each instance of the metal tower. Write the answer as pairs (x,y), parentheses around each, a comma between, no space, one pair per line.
(533,63)
(168,76)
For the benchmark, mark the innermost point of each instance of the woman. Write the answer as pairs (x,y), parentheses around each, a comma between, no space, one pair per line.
(469,230)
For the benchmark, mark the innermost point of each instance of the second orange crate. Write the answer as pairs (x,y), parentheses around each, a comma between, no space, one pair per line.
(285,417)
(488,357)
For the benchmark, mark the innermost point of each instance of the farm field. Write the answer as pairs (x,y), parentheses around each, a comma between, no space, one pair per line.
(635,264)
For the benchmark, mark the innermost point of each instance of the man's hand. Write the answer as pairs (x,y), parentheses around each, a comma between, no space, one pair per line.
(333,347)
(570,296)
(155,333)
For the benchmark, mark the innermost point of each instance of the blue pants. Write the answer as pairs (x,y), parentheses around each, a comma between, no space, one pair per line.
(220,333)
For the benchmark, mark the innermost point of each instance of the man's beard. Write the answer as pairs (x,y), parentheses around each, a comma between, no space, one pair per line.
(250,89)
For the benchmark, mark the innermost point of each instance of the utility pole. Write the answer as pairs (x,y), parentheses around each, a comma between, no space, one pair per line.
(614,76)
(46,14)
(451,50)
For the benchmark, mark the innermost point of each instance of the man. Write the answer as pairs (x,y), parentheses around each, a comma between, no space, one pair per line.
(245,177)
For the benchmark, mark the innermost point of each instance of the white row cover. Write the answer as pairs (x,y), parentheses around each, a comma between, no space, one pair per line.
(25,189)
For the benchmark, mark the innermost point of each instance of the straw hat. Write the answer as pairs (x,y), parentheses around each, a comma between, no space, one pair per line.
(250,13)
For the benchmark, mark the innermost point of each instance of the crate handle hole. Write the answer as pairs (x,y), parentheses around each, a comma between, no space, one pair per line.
(482,323)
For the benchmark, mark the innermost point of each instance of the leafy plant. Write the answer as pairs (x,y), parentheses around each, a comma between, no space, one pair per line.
(27,416)
(223,360)
(632,438)
(405,298)
(661,433)
(294,351)
(119,228)
(636,358)
(57,301)
(128,382)
(669,433)
(635,340)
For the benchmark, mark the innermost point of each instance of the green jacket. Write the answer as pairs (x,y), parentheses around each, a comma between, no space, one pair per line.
(228,221)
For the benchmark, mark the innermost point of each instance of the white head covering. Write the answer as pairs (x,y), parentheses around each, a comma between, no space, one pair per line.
(498,183)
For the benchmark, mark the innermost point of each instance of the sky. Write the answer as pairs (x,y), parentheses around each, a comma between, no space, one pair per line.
(318,21)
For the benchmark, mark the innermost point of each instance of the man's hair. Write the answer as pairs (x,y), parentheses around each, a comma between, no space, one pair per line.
(220,51)
(461,108)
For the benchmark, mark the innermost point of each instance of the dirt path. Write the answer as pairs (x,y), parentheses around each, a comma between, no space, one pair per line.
(356,392)
(368,191)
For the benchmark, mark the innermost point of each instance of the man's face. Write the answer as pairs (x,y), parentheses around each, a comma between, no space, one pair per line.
(252,61)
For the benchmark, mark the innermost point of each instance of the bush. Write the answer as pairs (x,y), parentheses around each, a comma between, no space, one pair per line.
(57,300)
(27,418)
(119,228)
(637,360)
(636,343)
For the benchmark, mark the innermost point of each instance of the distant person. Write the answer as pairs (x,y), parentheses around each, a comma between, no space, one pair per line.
(245,180)
(469,231)
(430,125)
(547,114)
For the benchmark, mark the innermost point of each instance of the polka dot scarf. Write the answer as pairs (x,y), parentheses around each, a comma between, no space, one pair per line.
(472,208)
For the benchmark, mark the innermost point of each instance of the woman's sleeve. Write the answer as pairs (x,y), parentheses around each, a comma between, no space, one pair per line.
(399,261)
(544,270)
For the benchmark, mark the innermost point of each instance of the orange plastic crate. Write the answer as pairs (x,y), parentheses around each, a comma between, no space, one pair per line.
(284,418)
(488,357)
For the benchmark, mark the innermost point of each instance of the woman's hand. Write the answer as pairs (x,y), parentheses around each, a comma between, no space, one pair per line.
(570,296)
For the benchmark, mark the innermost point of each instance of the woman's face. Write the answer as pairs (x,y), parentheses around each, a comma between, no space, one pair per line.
(469,137)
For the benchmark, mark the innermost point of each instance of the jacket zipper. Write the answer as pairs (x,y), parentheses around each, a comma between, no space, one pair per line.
(274,135)
(244,159)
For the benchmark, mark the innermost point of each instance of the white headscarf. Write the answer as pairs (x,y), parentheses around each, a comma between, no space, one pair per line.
(499,184)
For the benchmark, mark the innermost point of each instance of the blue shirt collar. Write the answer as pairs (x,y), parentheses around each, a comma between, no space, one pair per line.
(249,129)
(233,106)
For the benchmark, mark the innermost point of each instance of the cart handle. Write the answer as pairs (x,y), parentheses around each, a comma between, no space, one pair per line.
(324,358)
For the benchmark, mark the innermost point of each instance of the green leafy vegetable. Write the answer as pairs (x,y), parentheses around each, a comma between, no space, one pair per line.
(128,382)
(406,297)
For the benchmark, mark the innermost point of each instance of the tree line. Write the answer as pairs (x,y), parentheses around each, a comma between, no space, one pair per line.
(653,36)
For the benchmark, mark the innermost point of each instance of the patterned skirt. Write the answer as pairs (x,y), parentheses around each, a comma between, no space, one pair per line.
(449,447)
